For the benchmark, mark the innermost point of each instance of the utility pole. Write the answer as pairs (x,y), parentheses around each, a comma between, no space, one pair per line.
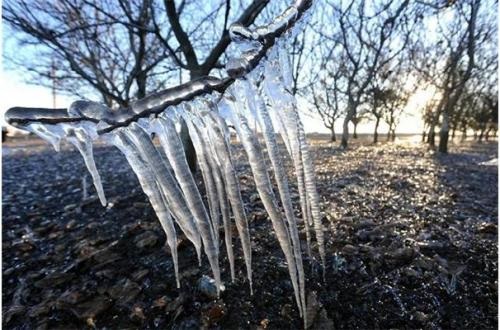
(54,82)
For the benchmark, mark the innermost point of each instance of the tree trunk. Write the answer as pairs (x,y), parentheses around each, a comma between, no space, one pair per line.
(444,133)
(424,133)
(354,133)
(453,131)
(487,135)
(345,133)
(431,136)
(375,132)
(464,133)
(351,111)
(481,134)
(393,135)
(333,137)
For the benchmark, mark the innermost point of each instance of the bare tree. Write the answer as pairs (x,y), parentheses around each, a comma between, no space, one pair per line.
(367,37)
(465,28)
(327,104)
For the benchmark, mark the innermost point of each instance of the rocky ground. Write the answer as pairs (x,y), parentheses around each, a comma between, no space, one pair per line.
(412,243)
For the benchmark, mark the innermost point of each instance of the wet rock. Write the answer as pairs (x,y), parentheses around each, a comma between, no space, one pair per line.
(146,239)
(71,224)
(40,309)
(432,247)
(488,228)
(213,313)
(160,302)
(137,314)
(92,308)
(207,286)
(139,275)
(12,312)
(106,256)
(69,297)
(176,304)
(24,245)
(124,291)
(264,324)
(349,249)
(54,279)
(371,234)
(421,316)
(401,256)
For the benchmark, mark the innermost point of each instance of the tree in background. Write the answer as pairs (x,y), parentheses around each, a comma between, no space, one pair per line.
(465,32)
(362,38)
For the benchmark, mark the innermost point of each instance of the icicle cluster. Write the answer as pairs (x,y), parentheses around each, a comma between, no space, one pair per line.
(259,94)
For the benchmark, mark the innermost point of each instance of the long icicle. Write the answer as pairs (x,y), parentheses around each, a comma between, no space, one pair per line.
(264,188)
(309,177)
(203,140)
(151,188)
(218,133)
(172,145)
(207,173)
(258,106)
(288,133)
(167,184)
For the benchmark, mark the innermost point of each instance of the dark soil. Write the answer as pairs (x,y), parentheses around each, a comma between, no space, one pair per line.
(412,243)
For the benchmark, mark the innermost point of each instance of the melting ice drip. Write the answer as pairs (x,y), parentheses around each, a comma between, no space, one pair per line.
(258,90)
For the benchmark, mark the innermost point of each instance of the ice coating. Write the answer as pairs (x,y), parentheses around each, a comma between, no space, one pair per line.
(44,132)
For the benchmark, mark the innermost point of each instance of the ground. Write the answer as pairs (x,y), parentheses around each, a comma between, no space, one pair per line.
(412,243)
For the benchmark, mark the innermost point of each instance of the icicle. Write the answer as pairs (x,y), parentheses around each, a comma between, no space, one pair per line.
(310,181)
(258,106)
(199,131)
(283,100)
(288,132)
(166,182)
(207,172)
(82,140)
(172,145)
(43,132)
(218,136)
(264,188)
(150,187)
